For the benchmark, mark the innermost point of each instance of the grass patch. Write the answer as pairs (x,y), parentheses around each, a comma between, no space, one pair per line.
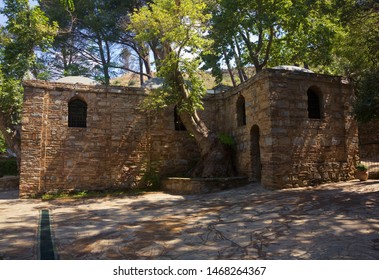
(96,194)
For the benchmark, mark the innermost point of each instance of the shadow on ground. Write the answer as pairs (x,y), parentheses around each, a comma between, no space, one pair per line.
(336,221)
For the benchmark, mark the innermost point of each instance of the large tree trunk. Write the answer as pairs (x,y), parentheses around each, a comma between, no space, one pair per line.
(216,157)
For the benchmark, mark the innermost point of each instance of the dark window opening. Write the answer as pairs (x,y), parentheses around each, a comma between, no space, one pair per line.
(255,154)
(179,125)
(241,111)
(77,113)
(314,104)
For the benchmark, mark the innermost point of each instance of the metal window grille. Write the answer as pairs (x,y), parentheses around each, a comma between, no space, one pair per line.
(77,113)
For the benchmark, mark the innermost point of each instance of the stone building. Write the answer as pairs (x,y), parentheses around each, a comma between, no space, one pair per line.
(291,129)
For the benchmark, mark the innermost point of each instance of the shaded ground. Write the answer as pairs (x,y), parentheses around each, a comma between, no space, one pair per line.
(336,221)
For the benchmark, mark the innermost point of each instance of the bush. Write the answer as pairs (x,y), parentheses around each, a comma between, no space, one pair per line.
(362,167)
(8,167)
(366,106)
(2,144)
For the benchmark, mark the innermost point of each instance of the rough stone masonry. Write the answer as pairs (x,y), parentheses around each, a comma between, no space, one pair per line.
(290,128)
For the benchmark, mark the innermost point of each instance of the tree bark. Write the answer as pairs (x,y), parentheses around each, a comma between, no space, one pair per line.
(237,56)
(216,158)
(230,71)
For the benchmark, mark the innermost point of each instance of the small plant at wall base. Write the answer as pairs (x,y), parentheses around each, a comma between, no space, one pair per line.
(150,178)
(362,167)
(362,172)
(227,140)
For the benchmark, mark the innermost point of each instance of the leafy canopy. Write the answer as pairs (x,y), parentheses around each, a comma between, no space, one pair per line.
(179,28)
(274,32)
(366,106)
(26,30)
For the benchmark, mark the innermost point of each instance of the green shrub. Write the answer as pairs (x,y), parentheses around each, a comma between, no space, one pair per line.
(2,144)
(227,140)
(362,167)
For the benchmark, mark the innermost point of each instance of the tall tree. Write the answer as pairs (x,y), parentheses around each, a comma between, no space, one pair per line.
(64,58)
(275,32)
(179,28)
(92,41)
(26,30)
(358,54)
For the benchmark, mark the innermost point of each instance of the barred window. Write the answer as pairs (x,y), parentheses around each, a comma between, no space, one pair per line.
(77,113)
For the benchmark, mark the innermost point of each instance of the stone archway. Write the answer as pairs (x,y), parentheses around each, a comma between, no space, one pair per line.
(255,151)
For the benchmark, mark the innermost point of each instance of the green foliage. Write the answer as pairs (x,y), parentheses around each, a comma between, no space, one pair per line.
(86,194)
(92,37)
(357,54)
(361,167)
(3,146)
(26,29)
(311,29)
(357,49)
(366,106)
(270,33)
(179,31)
(10,100)
(151,181)
(8,167)
(68,4)
(227,140)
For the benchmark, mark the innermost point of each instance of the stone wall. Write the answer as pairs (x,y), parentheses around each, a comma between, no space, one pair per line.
(120,145)
(306,150)
(9,183)
(257,110)
(294,150)
(276,141)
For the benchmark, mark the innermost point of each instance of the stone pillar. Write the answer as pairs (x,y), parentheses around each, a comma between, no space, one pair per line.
(32,142)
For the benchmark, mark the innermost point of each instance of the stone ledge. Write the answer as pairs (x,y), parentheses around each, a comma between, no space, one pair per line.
(179,185)
(9,183)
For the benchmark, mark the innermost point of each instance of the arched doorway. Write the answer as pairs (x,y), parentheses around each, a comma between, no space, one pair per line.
(256,165)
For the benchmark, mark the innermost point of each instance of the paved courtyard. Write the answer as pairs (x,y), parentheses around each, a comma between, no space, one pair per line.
(334,221)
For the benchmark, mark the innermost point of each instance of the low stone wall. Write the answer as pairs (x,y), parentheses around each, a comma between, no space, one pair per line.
(177,185)
(9,183)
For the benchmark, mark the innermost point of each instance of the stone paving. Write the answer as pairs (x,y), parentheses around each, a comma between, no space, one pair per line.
(334,221)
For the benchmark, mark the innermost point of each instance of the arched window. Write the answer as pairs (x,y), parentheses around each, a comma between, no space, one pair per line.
(77,113)
(314,104)
(241,113)
(179,125)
